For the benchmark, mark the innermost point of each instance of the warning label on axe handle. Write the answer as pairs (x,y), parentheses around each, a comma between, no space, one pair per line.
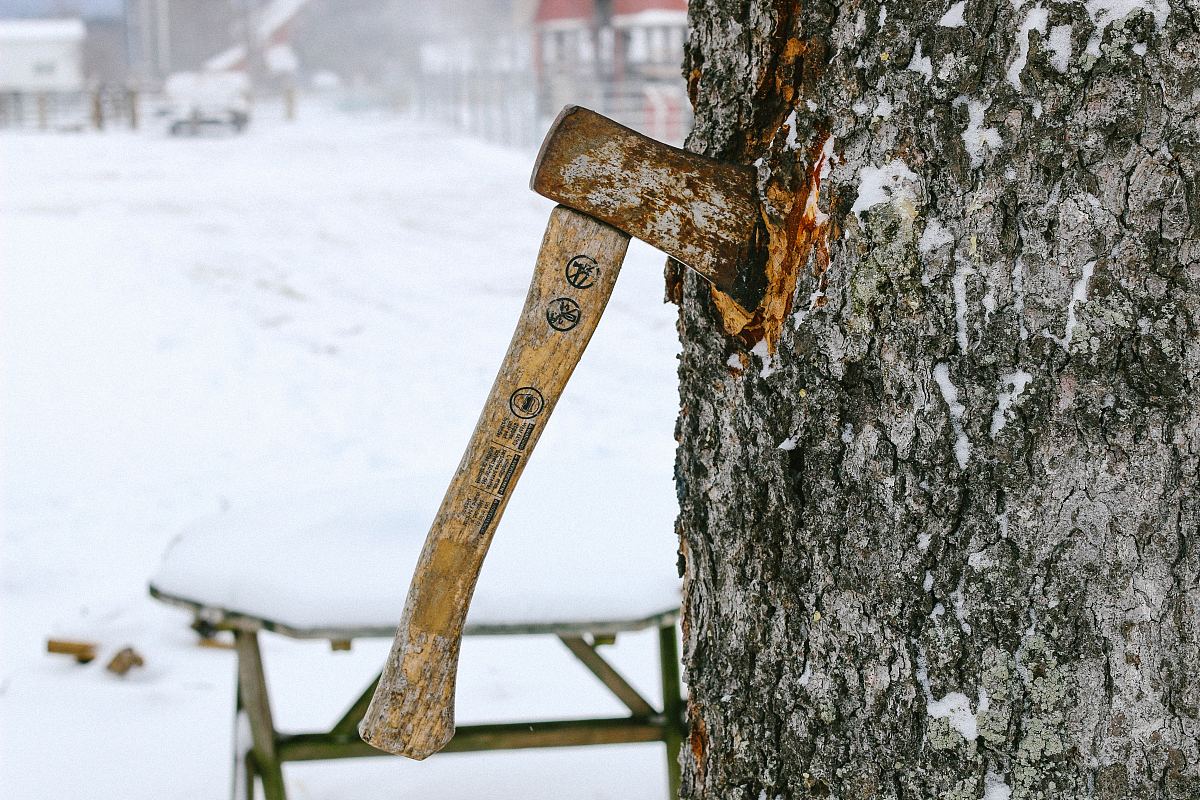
(496,467)
(479,510)
(512,433)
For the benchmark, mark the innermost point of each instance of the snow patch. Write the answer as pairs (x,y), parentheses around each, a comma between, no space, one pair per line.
(789,443)
(1035,20)
(883,109)
(976,137)
(769,362)
(1079,296)
(955,707)
(995,788)
(1106,12)
(961,270)
(979,560)
(928,584)
(1060,47)
(894,182)
(790,122)
(962,445)
(954,17)
(920,64)
(1010,388)
(934,236)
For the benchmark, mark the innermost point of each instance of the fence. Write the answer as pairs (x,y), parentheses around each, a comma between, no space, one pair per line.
(489,88)
(99,108)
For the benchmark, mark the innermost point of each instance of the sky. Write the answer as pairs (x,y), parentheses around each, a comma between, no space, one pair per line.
(37,8)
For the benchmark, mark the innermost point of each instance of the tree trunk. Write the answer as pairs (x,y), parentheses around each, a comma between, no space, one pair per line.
(939,491)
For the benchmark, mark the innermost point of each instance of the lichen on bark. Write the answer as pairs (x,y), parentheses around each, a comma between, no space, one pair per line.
(940,495)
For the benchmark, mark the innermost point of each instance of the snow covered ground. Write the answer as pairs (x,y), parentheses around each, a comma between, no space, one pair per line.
(192,326)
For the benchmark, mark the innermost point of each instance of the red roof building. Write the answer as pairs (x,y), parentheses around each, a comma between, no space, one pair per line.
(551,11)
(621,57)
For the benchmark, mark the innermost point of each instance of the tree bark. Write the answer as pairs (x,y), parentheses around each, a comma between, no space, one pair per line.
(940,491)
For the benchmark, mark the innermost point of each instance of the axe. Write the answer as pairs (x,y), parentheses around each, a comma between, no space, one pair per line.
(612,183)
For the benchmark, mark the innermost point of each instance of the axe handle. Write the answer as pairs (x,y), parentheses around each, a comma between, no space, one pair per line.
(412,711)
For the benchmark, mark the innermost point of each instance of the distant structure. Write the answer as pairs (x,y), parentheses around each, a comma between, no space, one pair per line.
(266,48)
(507,81)
(167,36)
(41,56)
(621,57)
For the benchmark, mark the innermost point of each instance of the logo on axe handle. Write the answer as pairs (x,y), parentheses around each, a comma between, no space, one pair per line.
(526,402)
(582,271)
(563,314)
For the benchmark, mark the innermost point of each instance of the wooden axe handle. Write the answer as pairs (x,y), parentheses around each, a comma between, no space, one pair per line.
(412,712)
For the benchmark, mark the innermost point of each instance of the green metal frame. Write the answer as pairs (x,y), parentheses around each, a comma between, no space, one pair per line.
(260,760)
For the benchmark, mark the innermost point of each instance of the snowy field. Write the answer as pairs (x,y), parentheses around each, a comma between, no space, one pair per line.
(190,327)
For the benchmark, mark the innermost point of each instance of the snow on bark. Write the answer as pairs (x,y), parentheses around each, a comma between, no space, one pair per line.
(953,18)
(1035,20)
(894,182)
(962,445)
(1010,388)
(976,136)
(925,518)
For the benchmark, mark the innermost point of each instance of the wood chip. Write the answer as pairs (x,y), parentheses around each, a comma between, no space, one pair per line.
(125,660)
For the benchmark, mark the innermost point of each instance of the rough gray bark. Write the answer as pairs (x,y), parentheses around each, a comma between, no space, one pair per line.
(941,493)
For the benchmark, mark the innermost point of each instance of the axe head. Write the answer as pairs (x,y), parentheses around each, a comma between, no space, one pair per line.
(701,212)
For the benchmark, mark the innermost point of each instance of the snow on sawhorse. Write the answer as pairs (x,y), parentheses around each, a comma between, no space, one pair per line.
(333,566)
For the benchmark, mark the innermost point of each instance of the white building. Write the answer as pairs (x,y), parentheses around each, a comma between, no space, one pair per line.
(41,56)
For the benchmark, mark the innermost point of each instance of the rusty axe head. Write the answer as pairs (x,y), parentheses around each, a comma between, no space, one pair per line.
(699,211)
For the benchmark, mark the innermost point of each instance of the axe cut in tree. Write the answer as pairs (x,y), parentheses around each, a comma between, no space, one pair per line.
(612,184)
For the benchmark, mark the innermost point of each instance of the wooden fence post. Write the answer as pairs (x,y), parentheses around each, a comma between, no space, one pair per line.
(131,97)
(97,110)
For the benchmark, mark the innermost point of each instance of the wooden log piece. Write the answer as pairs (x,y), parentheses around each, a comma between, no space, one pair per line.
(412,711)
(83,652)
